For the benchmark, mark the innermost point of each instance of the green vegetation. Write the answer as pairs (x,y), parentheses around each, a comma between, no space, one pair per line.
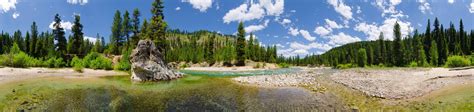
(283,65)
(457,61)
(431,48)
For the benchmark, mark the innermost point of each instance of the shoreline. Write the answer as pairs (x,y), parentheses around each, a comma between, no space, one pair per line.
(8,74)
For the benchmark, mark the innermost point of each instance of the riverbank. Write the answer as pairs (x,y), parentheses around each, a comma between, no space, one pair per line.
(8,74)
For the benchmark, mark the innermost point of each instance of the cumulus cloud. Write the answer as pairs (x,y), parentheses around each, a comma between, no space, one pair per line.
(471,9)
(251,11)
(293,31)
(201,5)
(388,7)
(254,28)
(65,24)
(307,36)
(80,2)
(322,31)
(91,39)
(177,8)
(341,39)
(424,7)
(6,5)
(341,8)
(286,21)
(373,30)
(15,15)
(332,24)
(450,1)
(296,48)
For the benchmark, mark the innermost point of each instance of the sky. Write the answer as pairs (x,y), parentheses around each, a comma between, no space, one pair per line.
(297,27)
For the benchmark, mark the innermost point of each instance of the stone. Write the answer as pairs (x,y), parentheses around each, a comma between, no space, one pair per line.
(148,64)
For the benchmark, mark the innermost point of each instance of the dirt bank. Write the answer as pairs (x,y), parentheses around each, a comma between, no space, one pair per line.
(13,74)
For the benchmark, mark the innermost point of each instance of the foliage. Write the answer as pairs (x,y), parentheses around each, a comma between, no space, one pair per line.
(345,66)
(77,64)
(124,63)
(362,58)
(457,61)
(283,65)
(95,60)
(55,62)
(413,64)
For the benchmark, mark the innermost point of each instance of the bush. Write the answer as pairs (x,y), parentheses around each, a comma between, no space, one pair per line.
(457,61)
(345,66)
(283,65)
(20,60)
(55,62)
(76,64)
(96,61)
(124,63)
(472,60)
(257,66)
(413,64)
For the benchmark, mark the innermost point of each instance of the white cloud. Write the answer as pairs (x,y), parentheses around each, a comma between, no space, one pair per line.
(358,10)
(389,8)
(251,11)
(322,31)
(254,28)
(296,48)
(178,8)
(66,25)
(6,5)
(307,36)
(244,13)
(247,37)
(15,15)
(293,31)
(201,5)
(91,39)
(332,24)
(80,2)
(341,8)
(286,21)
(450,1)
(341,39)
(471,9)
(424,7)
(273,7)
(373,30)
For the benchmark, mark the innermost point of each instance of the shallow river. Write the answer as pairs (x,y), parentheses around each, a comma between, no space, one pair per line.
(197,91)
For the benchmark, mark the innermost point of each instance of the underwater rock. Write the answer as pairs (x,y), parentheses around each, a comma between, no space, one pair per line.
(148,64)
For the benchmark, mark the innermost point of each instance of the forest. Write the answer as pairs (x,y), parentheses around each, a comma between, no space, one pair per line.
(434,48)
(52,49)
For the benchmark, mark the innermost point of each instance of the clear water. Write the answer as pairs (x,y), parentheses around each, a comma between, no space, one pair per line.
(241,73)
(194,92)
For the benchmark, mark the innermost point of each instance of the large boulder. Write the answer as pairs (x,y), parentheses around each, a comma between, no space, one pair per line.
(148,64)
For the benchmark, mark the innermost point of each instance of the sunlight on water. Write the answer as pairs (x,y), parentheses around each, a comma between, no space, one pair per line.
(242,73)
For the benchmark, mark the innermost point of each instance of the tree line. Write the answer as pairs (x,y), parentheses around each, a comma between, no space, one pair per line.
(432,48)
(126,30)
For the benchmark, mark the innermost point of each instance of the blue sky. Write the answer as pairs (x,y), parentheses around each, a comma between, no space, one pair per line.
(298,27)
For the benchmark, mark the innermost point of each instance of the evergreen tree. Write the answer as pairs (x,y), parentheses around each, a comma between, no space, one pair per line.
(116,40)
(398,48)
(78,36)
(428,39)
(27,43)
(157,27)
(135,27)
(240,46)
(126,28)
(421,56)
(58,32)
(362,57)
(34,38)
(98,44)
(382,49)
(434,54)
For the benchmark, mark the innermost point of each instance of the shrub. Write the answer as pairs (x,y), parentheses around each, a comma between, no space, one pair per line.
(20,60)
(413,64)
(55,62)
(96,61)
(283,65)
(472,60)
(76,64)
(257,66)
(457,61)
(124,63)
(345,66)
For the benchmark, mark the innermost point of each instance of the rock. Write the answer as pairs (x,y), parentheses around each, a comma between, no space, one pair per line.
(148,64)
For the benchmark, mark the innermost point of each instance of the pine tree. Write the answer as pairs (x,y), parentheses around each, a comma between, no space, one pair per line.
(135,27)
(382,49)
(398,47)
(434,54)
(157,28)
(34,38)
(143,32)
(427,40)
(59,33)
(27,43)
(421,56)
(362,57)
(116,40)
(240,46)
(126,29)
(77,37)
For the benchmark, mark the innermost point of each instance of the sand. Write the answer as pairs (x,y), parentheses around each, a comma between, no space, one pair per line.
(8,74)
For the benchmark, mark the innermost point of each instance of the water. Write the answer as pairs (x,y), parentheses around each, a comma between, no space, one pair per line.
(194,92)
(242,73)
